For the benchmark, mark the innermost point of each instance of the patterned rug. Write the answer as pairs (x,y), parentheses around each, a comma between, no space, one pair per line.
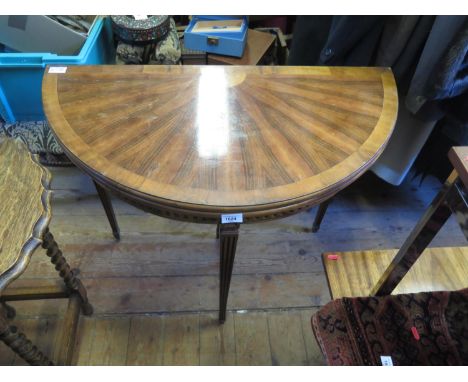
(413,329)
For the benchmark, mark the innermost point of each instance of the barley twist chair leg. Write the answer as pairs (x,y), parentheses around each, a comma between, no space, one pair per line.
(10,312)
(18,342)
(65,272)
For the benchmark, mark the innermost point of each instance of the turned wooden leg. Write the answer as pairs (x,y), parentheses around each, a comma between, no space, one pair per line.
(9,311)
(107,204)
(320,214)
(431,222)
(64,270)
(18,342)
(228,234)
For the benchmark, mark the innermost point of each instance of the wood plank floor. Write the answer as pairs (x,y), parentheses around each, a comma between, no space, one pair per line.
(155,292)
(354,274)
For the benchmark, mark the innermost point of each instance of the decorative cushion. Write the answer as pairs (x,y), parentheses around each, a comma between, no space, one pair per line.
(167,51)
(36,135)
(39,139)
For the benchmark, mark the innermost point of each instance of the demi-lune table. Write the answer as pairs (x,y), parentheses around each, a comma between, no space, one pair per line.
(221,144)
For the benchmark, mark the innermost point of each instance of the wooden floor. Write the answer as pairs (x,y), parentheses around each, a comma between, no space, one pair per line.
(354,274)
(155,292)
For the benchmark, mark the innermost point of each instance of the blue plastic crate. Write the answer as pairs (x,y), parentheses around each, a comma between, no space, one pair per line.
(226,43)
(21,73)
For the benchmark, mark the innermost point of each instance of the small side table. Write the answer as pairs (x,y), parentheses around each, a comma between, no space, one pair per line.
(24,219)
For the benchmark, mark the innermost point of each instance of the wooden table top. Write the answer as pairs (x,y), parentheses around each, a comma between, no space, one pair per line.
(222,138)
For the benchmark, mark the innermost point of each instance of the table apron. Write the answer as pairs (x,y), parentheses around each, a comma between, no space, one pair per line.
(208,217)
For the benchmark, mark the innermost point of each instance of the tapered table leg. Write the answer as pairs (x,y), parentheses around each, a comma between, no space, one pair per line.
(228,235)
(320,214)
(107,204)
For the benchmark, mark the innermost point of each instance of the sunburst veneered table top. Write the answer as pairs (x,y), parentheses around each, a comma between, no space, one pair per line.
(222,138)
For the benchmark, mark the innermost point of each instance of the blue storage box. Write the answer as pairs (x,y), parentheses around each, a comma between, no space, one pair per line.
(21,73)
(225,35)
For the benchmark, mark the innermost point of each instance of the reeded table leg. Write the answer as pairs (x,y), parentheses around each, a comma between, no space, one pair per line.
(228,235)
(320,214)
(18,342)
(65,272)
(217,230)
(431,222)
(107,204)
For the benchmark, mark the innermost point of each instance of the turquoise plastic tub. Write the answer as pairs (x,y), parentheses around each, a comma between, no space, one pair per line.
(21,73)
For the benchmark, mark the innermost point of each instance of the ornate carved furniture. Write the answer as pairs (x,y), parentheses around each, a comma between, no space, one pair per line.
(195,143)
(24,218)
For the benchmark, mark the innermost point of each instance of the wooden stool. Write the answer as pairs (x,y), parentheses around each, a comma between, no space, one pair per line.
(452,199)
(379,273)
(25,214)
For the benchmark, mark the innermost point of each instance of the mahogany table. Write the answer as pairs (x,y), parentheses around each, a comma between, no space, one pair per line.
(197,143)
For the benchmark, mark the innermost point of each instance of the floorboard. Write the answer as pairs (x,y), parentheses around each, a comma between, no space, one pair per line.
(217,342)
(286,339)
(252,339)
(145,345)
(155,292)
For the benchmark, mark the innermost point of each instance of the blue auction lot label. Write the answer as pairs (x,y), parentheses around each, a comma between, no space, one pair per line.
(232,218)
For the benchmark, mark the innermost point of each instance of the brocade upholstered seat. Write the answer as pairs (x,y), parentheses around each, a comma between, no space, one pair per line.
(428,328)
